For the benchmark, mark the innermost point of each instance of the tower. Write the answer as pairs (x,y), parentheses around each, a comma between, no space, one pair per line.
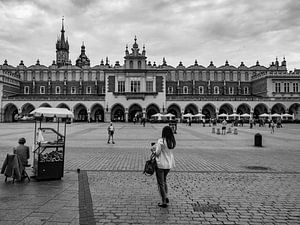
(62,48)
(135,59)
(82,60)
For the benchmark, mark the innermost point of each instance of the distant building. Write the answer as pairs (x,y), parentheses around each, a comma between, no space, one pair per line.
(107,92)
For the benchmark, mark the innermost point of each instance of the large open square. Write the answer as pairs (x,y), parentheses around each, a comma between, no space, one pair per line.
(218,179)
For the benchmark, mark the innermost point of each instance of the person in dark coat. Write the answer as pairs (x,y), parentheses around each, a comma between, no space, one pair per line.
(22,151)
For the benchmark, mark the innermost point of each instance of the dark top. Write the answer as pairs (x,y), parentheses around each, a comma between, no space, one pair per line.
(23,152)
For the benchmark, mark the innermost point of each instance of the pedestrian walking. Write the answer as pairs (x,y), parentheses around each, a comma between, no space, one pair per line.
(272,127)
(165,161)
(224,124)
(111,131)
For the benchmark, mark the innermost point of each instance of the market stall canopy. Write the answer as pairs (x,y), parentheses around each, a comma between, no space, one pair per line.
(245,115)
(157,115)
(52,112)
(264,115)
(234,115)
(169,115)
(275,115)
(287,115)
(223,115)
(188,115)
(199,115)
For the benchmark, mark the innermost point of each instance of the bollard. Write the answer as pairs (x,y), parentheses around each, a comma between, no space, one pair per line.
(235,131)
(258,140)
(213,130)
(218,131)
(229,130)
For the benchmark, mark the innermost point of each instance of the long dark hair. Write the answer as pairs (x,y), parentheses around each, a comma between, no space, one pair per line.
(167,134)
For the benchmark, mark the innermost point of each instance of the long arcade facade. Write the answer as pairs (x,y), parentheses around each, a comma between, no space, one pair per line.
(118,92)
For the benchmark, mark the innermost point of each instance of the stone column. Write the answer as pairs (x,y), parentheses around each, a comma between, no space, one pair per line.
(126,116)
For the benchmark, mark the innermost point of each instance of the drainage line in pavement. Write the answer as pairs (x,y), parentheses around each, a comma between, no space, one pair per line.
(86,213)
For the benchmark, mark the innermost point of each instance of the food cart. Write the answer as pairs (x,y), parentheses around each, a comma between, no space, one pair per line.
(49,142)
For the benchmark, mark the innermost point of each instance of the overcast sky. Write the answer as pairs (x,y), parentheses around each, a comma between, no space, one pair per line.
(179,30)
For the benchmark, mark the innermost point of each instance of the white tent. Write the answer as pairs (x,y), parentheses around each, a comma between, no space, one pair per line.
(188,115)
(275,115)
(52,112)
(287,115)
(234,115)
(199,115)
(264,115)
(245,115)
(169,115)
(223,115)
(157,115)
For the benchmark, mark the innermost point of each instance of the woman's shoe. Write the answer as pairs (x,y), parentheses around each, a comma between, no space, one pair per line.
(162,205)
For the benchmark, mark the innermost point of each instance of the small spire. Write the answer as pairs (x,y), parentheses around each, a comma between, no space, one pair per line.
(135,39)
(62,24)
(196,62)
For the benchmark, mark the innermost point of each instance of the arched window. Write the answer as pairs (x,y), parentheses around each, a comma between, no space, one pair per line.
(185,90)
(216,90)
(139,64)
(170,90)
(131,64)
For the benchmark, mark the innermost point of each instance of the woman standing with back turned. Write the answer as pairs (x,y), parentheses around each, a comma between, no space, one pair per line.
(165,162)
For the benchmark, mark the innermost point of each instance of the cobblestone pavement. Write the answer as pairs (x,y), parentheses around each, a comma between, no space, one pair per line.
(218,179)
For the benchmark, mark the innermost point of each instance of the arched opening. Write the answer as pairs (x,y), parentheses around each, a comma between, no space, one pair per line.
(259,109)
(135,111)
(151,110)
(97,113)
(226,108)
(191,108)
(10,113)
(45,104)
(26,109)
(209,111)
(118,113)
(63,105)
(80,113)
(278,108)
(295,109)
(243,108)
(175,110)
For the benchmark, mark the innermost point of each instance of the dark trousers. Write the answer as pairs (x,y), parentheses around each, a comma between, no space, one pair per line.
(161,176)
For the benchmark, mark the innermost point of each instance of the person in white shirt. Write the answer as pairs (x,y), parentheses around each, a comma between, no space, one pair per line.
(165,161)
(111,131)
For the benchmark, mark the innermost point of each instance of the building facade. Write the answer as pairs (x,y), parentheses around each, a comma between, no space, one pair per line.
(118,92)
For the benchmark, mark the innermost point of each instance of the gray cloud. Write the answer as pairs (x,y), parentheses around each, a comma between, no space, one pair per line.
(176,29)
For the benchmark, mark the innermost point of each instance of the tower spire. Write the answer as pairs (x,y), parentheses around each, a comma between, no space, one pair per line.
(62,24)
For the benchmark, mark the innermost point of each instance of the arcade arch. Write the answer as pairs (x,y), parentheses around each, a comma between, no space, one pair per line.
(151,110)
(191,108)
(175,110)
(278,108)
(80,113)
(135,110)
(226,108)
(10,113)
(118,113)
(97,113)
(260,109)
(295,109)
(26,109)
(63,105)
(45,104)
(209,111)
(243,108)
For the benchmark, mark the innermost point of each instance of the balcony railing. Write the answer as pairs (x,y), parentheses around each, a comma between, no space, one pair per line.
(55,97)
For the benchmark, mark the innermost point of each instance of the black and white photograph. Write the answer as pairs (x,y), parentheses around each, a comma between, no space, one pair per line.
(138,112)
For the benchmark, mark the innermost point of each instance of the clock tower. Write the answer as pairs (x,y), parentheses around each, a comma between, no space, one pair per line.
(62,49)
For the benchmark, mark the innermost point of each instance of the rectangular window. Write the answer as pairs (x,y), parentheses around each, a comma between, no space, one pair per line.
(26,90)
(103,90)
(73,90)
(295,87)
(149,86)
(90,76)
(201,90)
(277,87)
(135,86)
(185,90)
(88,90)
(170,90)
(57,76)
(246,90)
(286,87)
(215,76)
(231,76)
(57,90)
(246,76)
(73,76)
(42,90)
(216,90)
(231,90)
(121,86)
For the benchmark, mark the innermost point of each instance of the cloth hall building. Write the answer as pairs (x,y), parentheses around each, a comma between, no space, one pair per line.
(118,92)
